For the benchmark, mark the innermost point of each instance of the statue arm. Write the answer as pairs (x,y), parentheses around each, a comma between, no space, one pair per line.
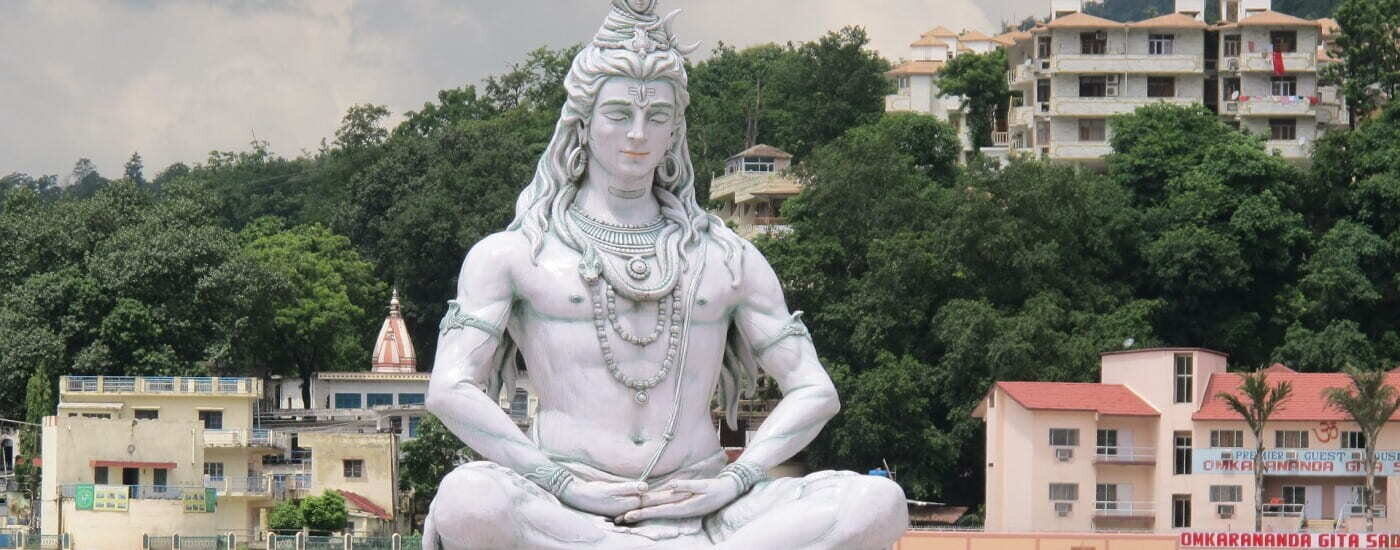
(785,353)
(468,354)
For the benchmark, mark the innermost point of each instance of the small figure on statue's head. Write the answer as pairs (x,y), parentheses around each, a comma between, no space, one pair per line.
(632,306)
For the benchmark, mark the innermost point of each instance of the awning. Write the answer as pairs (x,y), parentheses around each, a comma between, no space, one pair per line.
(131,464)
(105,406)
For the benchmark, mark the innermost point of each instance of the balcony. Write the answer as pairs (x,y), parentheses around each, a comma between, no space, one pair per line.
(1122,64)
(1291,150)
(1125,455)
(897,103)
(1109,106)
(1276,106)
(1292,62)
(237,437)
(1080,150)
(238,486)
(1124,509)
(163,385)
(1023,117)
(1021,74)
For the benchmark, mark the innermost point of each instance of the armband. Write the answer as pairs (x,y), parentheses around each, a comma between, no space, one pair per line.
(793,327)
(456,319)
(745,475)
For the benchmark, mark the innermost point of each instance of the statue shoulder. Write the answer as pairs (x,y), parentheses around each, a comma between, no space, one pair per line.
(491,261)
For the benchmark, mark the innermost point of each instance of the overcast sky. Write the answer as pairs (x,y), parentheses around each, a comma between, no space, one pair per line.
(177,79)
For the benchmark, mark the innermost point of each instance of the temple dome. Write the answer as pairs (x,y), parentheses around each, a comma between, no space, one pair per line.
(393,349)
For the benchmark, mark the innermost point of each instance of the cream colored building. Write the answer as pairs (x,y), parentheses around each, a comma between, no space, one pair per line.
(155,442)
(1153,447)
(751,193)
(364,469)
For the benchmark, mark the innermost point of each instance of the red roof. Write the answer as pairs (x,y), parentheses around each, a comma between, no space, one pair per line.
(364,504)
(1305,404)
(1106,399)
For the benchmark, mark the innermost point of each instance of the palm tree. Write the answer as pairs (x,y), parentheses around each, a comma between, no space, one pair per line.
(1369,403)
(1260,401)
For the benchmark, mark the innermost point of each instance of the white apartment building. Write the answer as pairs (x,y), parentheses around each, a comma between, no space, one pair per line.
(1257,68)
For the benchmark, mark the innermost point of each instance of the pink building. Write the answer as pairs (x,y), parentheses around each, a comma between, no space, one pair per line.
(1152,447)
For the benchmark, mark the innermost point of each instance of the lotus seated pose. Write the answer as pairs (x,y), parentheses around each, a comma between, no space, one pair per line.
(631,307)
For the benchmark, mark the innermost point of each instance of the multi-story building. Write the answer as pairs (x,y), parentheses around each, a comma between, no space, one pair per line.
(1257,68)
(752,190)
(1153,446)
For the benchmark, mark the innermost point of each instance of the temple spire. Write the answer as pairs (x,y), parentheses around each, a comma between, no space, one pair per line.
(393,349)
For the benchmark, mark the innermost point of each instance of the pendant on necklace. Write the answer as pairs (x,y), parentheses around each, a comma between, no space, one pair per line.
(641,397)
(637,268)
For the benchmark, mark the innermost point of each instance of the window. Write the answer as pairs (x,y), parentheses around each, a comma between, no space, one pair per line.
(1181,455)
(903,83)
(1064,437)
(213,420)
(1064,491)
(1232,88)
(1284,41)
(1293,494)
(1105,496)
(147,414)
(1042,47)
(1183,378)
(1093,43)
(347,400)
(160,476)
(1283,129)
(97,415)
(1232,11)
(520,403)
(1093,86)
(1353,440)
(1161,86)
(413,423)
(379,399)
(1226,493)
(396,423)
(1108,442)
(1232,45)
(410,399)
(1093,129)
(758,164)
(1181,511)
(1284,85)
(1291,439)
(1042,90)
(99,475)
(354,468)
(1228,439)
(214,470)
(1042,133)
(1160,44)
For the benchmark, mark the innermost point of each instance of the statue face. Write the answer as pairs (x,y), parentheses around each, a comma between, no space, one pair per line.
(632,127)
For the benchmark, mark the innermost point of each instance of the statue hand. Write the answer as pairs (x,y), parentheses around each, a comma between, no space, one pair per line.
(705,496)
(603,498)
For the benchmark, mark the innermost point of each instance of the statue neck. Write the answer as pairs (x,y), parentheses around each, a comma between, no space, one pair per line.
(623,203)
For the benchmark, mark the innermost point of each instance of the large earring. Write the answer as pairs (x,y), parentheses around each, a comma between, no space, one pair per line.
(578,162)
(670,170)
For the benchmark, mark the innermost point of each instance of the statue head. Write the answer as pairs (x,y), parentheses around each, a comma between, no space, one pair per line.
(634,59)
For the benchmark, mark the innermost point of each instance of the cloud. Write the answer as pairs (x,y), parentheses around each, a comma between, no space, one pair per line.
(175,80)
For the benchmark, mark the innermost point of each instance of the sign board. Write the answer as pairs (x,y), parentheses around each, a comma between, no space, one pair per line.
(110,498)
(83,496)
(200,500)
(1190,539)
(1299,462)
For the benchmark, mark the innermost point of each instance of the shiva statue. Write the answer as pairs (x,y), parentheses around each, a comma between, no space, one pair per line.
(631,307)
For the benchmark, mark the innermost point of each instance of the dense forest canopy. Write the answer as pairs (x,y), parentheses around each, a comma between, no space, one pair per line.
(923,280)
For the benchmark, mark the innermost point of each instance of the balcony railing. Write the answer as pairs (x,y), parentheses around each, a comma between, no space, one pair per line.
(1122,508)
(1108,106)
(141,492)
(1292,62)
(1001,139)
(250,485)
(1277,510)
(237,437)
(769,220)
(1359,511)
(1125,455)
(1128,63)
(895,103)
(160,384)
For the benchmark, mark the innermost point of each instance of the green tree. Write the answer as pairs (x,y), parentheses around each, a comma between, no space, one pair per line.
(1370,69)
(326,513)
(325,320)
(1370,402)
(427,459)
(132,170)
(980,80)
(361,127)
(285,517)
(1256,401)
